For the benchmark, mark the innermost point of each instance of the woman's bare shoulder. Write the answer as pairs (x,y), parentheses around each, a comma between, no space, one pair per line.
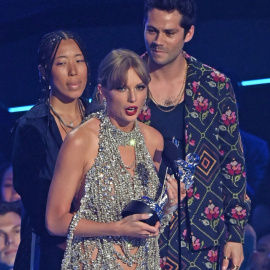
(151,135)
(85,135)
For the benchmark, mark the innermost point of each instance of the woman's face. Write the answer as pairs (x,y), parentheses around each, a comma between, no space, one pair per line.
(261,256)
(69,72)
(125,103)
(7,190)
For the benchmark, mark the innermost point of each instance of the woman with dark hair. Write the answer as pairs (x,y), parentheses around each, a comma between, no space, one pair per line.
(108,161)
(64,71)
(7,191)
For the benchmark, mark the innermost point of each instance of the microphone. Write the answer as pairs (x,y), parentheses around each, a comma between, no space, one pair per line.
(183,170)
(170,155)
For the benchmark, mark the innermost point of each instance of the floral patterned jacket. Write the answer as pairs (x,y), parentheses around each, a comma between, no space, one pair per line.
(218,207)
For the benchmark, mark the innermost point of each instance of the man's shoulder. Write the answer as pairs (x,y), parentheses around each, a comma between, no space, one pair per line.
(199,66)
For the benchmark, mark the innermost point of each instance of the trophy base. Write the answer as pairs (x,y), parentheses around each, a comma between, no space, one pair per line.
(138,207)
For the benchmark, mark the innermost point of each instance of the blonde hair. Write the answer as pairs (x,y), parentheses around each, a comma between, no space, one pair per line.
(112,72)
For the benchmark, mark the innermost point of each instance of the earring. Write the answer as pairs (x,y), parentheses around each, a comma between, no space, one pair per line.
(104,102)
(145,102)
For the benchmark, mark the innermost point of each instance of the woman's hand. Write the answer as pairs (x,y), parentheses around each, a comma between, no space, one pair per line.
(172,192)
(134,227)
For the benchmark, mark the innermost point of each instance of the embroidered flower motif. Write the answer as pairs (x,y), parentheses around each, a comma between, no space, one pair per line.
(211,211)
(184,235)
(217,76)
(221,152)
(211,110)
(190,193)
(188,139)
(228,117)
(196,243)
(200,104)
(212,256)
(234,168)
(238,212)
(195,86)
(222,217)
(145,114)
(162,262)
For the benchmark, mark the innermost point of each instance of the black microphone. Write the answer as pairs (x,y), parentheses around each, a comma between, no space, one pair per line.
(170,155)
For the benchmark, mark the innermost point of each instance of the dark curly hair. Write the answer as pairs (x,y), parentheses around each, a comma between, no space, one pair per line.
(6,207)
(187,8)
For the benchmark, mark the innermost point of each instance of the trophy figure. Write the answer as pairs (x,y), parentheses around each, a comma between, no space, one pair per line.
(186,169)
(183,172)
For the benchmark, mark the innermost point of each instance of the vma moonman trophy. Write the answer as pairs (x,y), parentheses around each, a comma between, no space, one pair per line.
(184,172)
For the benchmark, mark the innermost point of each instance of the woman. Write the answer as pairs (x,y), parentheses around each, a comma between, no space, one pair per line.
(104,164)
(8,193)
(64,71)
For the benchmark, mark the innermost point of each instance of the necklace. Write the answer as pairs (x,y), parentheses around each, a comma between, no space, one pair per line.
(178,98)
(130,166)
(62,122)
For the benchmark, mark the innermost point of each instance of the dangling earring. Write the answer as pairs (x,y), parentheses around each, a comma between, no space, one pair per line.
(145,103)
(104,102)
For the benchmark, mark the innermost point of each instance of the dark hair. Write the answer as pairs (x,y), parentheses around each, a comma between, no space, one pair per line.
(47,51)
(187,8)
(6,207)
(3,168)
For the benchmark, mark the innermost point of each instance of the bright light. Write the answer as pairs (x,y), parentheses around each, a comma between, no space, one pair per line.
(26,108)
(255,82)
(20,109)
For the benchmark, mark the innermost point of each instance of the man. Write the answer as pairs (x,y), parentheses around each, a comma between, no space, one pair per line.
(10,228)
(195,104)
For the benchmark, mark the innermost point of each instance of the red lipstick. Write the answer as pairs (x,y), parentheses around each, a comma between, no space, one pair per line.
(131,110)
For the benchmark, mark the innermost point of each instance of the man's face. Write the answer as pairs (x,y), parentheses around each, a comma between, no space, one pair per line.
(164,37)
(10,228)
(261,256)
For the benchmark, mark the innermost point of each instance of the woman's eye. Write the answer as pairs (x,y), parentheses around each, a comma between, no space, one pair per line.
(141,87)
(60,63)
(121,89)
(81,61)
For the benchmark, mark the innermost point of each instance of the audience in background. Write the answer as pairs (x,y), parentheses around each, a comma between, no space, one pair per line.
(249,245)
(10,228)
(260,218)
(256,153)
(260,259)
(7,191)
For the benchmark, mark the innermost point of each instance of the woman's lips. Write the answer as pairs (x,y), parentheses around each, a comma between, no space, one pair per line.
(74,85)
(131,110)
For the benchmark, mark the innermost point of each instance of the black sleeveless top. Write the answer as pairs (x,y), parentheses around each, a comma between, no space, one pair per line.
(169,124)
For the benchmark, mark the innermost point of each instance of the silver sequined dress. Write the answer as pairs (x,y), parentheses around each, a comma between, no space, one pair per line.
(109,187)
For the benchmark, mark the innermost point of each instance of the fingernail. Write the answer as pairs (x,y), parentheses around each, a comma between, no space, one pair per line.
(167,177)
(150,214)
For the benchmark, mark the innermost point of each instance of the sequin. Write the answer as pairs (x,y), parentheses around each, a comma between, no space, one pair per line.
(107,206)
